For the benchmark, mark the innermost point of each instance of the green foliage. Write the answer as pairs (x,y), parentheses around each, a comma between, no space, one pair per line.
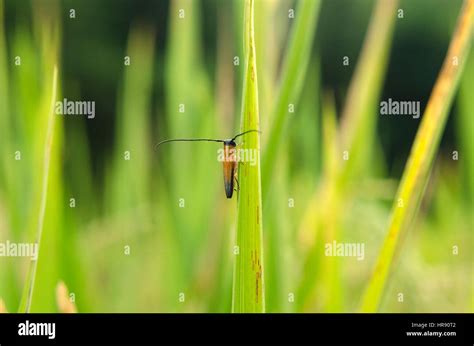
(416,174)
(156,232)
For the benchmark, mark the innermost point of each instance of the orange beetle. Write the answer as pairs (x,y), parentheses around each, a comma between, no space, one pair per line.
(230,159)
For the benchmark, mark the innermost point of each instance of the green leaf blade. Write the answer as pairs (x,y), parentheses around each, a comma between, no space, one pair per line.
(248,289)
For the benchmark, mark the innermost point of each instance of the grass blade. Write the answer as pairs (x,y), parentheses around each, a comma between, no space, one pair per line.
(291,84)
(358,117)
(421,157)
(465,127)
(44,191)
(248,290)
(358,122)
(7,274)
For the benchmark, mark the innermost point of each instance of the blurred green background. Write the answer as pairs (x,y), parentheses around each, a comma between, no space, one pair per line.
(129,245)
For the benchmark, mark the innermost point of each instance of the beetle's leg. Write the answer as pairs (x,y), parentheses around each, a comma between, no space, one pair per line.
(236,181)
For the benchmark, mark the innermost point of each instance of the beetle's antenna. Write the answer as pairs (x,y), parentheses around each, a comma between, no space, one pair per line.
(243,133)
(202,139)
(189,140)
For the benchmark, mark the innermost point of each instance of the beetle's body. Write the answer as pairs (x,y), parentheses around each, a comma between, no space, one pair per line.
(230,167)
(230,160)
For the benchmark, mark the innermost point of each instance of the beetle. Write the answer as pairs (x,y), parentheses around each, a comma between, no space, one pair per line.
(229,162)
